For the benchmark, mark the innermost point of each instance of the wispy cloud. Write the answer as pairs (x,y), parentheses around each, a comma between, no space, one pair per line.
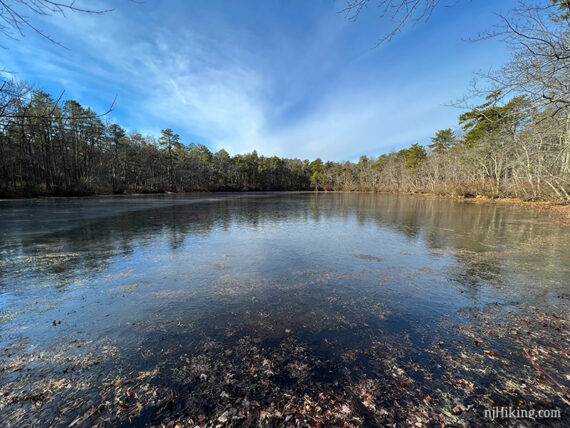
(301,84)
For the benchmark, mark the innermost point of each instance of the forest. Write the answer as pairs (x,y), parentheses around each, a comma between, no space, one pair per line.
(506,150)
(515,142)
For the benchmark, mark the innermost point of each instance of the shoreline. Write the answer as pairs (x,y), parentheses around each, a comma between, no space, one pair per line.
(558,211)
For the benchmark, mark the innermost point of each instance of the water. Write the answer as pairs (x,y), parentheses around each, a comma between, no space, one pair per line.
(335,294)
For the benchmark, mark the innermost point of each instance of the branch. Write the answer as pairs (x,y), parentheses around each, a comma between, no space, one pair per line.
(16,20)
(400,12)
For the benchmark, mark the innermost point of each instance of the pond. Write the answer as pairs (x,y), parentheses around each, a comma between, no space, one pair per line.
(281,309)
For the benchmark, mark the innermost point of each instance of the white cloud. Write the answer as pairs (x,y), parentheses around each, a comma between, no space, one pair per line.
(308,94)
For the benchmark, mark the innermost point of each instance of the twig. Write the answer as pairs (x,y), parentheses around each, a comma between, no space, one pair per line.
(540,369)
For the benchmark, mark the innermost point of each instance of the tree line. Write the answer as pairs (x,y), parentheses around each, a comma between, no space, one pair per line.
(510,149)
(502,150)
(46,149)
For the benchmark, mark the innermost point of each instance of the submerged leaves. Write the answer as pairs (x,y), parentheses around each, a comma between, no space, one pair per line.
(383,379)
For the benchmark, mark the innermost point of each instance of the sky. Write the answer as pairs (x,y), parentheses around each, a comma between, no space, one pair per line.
(288,78)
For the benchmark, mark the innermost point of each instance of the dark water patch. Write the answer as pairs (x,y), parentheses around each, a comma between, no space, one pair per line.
(370,258)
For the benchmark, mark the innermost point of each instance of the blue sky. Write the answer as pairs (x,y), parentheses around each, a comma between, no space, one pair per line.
(288,78)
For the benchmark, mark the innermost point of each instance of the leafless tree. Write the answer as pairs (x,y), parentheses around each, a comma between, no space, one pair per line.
(399,11)
(16,16)
(538,35)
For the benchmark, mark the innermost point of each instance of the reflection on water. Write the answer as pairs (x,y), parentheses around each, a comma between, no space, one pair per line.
(143,283)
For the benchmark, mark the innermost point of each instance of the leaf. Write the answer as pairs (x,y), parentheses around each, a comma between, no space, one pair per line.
(57,384)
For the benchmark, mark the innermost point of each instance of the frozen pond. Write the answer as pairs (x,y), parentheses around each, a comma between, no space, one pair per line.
(280,309)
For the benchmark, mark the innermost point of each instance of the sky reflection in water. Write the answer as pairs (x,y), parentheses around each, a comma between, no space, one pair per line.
(129,259)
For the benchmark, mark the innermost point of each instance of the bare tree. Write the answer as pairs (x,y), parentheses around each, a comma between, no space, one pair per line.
(537,32)
(399,11)
(538,35)
(16,15)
